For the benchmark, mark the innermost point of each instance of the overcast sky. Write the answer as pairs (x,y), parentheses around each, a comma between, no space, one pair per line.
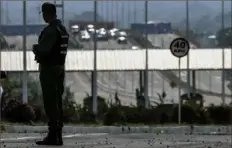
(12,10)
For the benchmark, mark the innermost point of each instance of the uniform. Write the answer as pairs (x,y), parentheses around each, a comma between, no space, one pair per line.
(50,53)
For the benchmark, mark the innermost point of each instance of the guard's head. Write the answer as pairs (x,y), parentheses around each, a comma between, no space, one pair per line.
(49,12)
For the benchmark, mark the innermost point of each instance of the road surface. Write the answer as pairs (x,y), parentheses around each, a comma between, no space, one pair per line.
(121,141)
(18,41)
(126,82)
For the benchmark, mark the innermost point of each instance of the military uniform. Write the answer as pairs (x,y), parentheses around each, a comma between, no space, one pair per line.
(50,53)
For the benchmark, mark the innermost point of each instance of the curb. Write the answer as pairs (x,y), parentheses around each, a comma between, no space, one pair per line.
(213,130)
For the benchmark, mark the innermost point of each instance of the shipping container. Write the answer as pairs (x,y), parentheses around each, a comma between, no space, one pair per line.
(152,28)
(164,28)
(18,30)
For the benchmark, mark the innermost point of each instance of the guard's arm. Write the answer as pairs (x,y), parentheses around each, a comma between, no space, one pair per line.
(47,41)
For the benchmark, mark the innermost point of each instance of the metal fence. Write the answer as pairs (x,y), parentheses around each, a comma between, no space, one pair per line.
(184,16)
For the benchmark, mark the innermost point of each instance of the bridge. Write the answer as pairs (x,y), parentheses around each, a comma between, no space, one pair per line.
(126,60)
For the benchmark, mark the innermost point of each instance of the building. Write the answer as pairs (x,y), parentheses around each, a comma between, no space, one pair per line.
(83,24)
(18,30)
(152,27)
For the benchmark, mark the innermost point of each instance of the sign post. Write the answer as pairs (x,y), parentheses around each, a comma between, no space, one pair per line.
(179,48)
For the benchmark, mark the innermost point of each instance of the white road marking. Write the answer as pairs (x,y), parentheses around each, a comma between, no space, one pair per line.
(17,138)
(37,137)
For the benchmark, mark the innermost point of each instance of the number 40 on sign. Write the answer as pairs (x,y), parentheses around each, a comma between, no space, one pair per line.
(179,47)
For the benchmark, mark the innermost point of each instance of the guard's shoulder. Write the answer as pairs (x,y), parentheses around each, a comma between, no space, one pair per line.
(50,29)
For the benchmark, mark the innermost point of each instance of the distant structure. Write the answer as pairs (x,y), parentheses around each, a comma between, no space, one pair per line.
(83,24)
(18,30)
(152,27)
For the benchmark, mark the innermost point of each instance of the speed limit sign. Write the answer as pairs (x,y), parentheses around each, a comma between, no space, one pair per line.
(179,47)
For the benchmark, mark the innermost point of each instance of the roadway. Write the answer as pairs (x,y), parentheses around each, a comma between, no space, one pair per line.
(18,41)
(121,141)
(111,82)
(125,83)
(205,80)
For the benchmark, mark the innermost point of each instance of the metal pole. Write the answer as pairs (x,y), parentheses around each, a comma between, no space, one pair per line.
(129,15)
(210,82)
(231,56)
(194,81)
(179,93)
(0,63)
(122,19)
(146,70)
(133,79)
(231,69)
(117,15)
(94,77)
(163,83)
(223,60)
(109,80)
(152,83)
(141,81)
(62,10)
(124,81)
(135,12)
(25,97)
(187,34)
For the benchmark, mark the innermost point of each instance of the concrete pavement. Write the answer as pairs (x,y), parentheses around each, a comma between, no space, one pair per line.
(121,129)
(121,141)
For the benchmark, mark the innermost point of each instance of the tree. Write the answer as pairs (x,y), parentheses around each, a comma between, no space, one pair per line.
(224,37)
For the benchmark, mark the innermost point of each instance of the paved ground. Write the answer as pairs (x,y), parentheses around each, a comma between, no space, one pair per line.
(122,141)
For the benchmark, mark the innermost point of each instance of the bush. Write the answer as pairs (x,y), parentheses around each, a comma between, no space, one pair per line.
(114,115)
(87,116)
(102,106)
(39,113)
(188,114)
(163,113)
(16,111)
(220,114)
(203,116)
(13,95)
(130,114)
(70,107)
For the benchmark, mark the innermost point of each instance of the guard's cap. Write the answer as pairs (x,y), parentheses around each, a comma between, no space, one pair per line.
(48,8)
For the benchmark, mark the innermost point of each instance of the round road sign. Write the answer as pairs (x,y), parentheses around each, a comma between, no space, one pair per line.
(179,47)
